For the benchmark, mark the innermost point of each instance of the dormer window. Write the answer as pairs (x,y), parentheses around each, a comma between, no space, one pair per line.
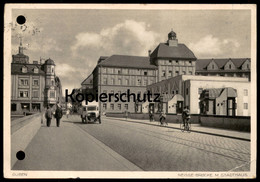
(36,70)
(24,69)
(230,66)
(212,66)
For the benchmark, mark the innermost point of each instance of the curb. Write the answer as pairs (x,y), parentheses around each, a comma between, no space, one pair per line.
(202,132)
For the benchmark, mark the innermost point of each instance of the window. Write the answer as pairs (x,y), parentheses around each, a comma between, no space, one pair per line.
(170,74)
(119,72)
(26,82)
(177,91)
(177,61)
(212,66)
(229,66)
(126,106)
(13,107)
(24,94)
(145,73)
(36,82)
(177,73)
(119,81)
(145,82)
(138,82)
(247,66)
(52,94)
(133,82)
(190,62)
(105,81)
(104,70)
(52,82)
(187,91)
(52,70)
(112,106)
(245,105)
(163,73)
(119,106)
(36,70)
(24,69)
(190,72)
(127,82)
(221,74)
(35,94)
(170,61)
(112,81)
(105,106)
(245,92)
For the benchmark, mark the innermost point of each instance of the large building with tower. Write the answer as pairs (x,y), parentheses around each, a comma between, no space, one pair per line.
(164,71)
(33,85)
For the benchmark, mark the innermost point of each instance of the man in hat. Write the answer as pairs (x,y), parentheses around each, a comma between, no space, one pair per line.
(58,114)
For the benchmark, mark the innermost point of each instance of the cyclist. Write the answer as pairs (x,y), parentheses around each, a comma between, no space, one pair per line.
(185,116)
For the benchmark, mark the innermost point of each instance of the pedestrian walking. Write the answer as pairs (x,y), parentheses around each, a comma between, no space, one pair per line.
(126,114)
(163,117)
(58,115)
(48,116)
(67,113)
(151,116)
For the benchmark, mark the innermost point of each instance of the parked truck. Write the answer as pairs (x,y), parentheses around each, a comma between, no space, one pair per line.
(90,112)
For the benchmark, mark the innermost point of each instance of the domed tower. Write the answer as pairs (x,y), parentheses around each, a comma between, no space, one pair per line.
(172,39)
(50,87)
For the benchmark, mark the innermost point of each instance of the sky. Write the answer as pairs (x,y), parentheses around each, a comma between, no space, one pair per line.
(75,39)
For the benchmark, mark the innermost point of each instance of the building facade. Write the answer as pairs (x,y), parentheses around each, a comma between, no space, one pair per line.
(168,61)
(211,95)
(231,67)
(33,85)
(117,74)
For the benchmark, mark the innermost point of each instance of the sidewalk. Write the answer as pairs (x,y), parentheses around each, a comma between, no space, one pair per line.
(197,128)
(70,148)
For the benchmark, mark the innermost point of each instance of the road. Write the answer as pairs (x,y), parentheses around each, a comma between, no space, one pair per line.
(125,145)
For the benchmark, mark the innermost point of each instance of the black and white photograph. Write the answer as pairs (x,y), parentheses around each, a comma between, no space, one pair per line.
(129,91)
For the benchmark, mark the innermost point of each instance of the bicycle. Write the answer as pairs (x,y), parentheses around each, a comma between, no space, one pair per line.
(187,126)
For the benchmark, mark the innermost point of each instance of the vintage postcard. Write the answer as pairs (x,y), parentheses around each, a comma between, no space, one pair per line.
(129,91)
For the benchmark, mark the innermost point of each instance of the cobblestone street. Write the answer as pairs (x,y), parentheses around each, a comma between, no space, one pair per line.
(135,146)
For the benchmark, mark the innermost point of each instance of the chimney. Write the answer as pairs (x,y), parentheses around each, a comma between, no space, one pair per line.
(149,53)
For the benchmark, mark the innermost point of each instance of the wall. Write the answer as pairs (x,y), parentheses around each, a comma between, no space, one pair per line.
(22,132)
(171,118)
(239,123)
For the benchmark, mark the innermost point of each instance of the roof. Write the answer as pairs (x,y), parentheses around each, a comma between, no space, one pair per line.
(49,61)
(87,80)
(216,92)
(180,52)
(201,64)
(16,68)
(128,61)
